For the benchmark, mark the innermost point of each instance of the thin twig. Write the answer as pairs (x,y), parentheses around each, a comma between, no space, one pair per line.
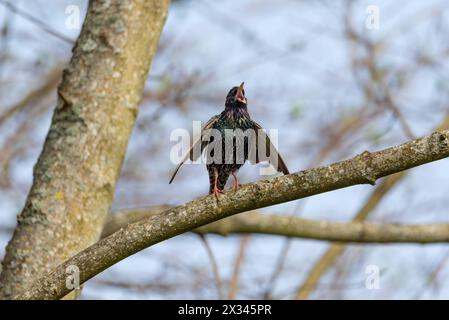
(214,265)
(49,84)
(39,23)
(234,283)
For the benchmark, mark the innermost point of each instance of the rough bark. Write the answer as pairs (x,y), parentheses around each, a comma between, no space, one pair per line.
(75,176)
(364,168)
(336,249)
(294,227)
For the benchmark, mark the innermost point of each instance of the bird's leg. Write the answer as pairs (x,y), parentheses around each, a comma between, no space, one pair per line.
(236,180)
(216,190)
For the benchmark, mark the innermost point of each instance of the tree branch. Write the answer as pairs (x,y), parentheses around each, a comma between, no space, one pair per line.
(363,168)
(336,249)
(290,226)
(357,232)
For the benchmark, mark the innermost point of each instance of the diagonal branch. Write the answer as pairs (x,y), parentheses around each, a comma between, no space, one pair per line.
(336,249)
(364,168)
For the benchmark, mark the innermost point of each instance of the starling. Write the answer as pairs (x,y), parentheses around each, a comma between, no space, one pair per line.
(235,116)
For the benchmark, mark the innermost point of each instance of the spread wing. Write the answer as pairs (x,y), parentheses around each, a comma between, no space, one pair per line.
(189,154)
(261,136)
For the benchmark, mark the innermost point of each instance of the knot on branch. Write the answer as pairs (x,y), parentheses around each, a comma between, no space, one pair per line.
(439,143)
(365,160)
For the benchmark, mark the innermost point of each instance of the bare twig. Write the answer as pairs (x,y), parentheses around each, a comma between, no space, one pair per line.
(214,266)
(43,90)
(234,284)
(41,24)
(385,98)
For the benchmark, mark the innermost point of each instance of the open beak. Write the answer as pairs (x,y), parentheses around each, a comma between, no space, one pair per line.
(239,96)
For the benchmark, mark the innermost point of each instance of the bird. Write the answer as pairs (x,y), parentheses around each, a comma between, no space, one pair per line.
(234,116)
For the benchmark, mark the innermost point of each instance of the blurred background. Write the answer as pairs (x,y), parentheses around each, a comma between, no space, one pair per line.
(334,77)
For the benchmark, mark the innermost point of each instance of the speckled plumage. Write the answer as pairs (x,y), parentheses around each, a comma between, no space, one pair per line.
(234,116)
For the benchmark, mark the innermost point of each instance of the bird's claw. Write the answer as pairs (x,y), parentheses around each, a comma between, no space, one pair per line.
(236,181)
(217,192)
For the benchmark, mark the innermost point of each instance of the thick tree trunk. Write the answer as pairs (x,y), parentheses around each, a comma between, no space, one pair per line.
(76,174)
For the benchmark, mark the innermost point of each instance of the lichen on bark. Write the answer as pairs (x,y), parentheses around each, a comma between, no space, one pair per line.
(75,176)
